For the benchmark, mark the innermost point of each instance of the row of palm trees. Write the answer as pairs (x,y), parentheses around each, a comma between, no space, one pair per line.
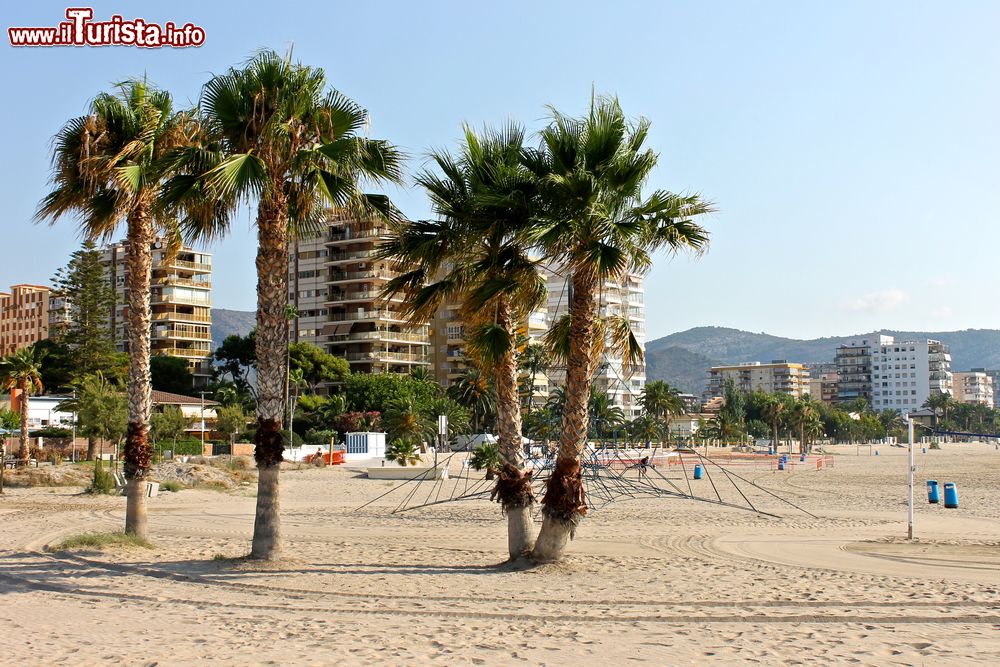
(274,136)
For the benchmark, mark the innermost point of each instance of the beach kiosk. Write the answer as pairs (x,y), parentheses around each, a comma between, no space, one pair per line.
(364,446)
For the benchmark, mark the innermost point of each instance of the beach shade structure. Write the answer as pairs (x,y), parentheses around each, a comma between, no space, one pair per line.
(697,471)
(950,495)
(932,492)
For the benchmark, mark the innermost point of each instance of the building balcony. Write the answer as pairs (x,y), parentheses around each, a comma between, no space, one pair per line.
(363,295)
(182,352)
(345,235)
(183,301)
(196,267)
(356,276)
(181,334)
(183,282)
(381,336)
(181,317)
(368,315)
(352,256)
(382,355)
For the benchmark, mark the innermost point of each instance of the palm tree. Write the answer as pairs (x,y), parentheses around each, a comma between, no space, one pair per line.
(403,420)
(476,392)
(107,168)
(22,371)
(804,416)
(939,401)
(272,134)
(604,417)
(597,226)
(661,401)
(478,254)
(776,407)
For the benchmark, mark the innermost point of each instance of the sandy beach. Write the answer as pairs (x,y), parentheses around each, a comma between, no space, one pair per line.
(660,581)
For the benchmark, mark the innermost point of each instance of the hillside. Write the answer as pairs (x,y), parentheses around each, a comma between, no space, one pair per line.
(675,358)
(228,322)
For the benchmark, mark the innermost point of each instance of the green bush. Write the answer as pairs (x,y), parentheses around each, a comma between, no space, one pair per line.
(934,445)
(171,485)
(103,482)
(403,452)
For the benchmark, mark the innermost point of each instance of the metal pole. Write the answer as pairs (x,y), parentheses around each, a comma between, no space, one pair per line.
(909,531)
(202,423)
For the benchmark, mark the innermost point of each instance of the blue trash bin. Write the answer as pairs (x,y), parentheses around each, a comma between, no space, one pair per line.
(802,458)
(770,451)
(697,471)
(950,495)
(781,464)
(932,492)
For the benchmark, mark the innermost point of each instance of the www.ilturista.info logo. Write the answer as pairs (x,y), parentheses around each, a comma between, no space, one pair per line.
(80,30)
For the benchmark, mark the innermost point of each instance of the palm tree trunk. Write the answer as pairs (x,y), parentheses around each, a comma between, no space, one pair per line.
(138,454)
(92,448)
(22,452)
(564,505)
(513,485)
(272,342)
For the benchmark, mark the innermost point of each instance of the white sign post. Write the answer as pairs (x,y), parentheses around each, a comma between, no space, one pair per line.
(909,531)
(442,435)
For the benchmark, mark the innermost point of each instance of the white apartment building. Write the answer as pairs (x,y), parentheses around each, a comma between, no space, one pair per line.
(905,373)
(335,282)
(975,386)
(623,297)
(180,300)
(854,367)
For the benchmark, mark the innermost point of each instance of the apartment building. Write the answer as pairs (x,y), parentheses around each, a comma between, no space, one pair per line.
(625,297)
(24,317)
(975,386)
(335,282)
(776,377)
(905,373)
(854,368)
(823,385)
(180,300)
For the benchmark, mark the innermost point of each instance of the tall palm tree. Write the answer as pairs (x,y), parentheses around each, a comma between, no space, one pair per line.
(272,134)
(597,227)
(478,254)
(107,168)
(776,407)
(661,401)
(804,415)
(22,371)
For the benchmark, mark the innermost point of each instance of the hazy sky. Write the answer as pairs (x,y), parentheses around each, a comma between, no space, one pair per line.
(851,148)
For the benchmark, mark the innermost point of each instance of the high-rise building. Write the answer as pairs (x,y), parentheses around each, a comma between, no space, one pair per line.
(24,317)
(624,297)
(975,386)
(905,373)
(854,368)
(777,377)
(180,301)
(335,282)
(823,386)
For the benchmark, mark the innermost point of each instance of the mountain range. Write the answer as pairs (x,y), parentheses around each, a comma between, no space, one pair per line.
(683,358)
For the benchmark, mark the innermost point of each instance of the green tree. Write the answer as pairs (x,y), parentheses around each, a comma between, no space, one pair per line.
(317,366)
(486,457)
(236,359)
(597,227)
(107,168)
(230,421)
(171,374)
(403,452)
(404,420)
(939,403)
(167,424)
(661,401)
(476,392)
(367,392)
(21,371)
(101,409)
(272,134)
(88,298)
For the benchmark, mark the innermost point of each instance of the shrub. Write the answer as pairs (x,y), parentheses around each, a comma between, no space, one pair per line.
(403,452)
(486,457)
(101,541)
(171,485)
(934,445)
(104,481)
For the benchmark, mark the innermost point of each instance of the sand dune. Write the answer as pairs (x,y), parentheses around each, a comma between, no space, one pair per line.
(657,580)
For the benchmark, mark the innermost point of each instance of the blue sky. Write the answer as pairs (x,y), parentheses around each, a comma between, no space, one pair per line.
(851,147)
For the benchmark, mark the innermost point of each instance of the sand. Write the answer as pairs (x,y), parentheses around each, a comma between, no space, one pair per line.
(659,581)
